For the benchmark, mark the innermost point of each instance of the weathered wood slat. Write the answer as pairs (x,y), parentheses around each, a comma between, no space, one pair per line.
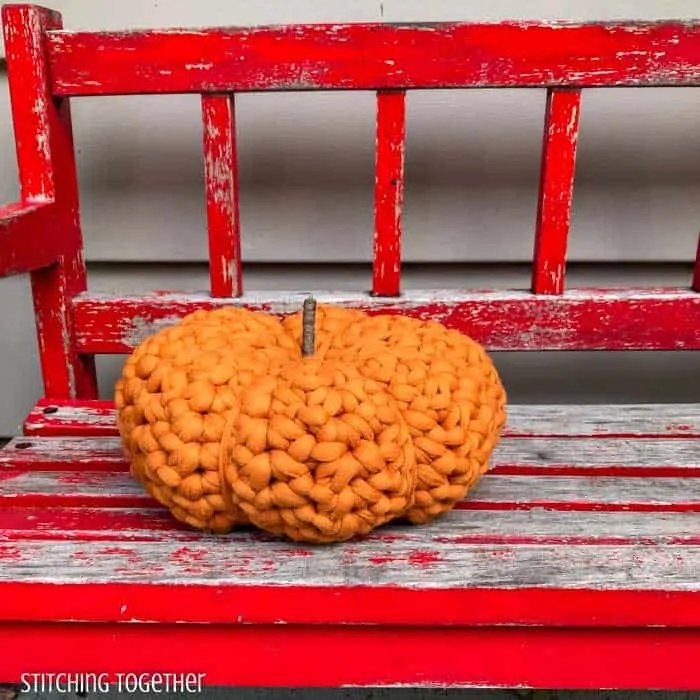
(494,491)
(64,453)
(381,563)
(85,418)
(538,455)
(458,526)
(374,56)
(592,319)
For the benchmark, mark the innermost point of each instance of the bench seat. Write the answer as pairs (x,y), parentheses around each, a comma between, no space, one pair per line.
(589,519)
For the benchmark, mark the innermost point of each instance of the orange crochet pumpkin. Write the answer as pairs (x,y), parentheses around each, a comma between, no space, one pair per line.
(226,421)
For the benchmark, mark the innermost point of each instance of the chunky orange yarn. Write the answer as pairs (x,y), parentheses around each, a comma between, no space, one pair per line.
(226,423)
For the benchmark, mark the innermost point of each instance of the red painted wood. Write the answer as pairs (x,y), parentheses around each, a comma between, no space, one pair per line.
(155,524)
(221,175)
(29,239)
(696,271)
(117,524)
(388,192)
(313,656)
(376,56)
(71,417)
(80,418)
(637,319)
(377,605)
(556,190)
(46,163)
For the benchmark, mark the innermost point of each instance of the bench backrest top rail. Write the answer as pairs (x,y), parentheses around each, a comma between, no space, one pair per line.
(48,65)
(376,56)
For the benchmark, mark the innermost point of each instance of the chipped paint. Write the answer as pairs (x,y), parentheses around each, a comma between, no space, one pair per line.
(556,190)
(578,319)
(375,56)
(222,195)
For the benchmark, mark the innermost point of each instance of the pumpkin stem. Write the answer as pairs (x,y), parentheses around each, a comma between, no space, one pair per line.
(308,325)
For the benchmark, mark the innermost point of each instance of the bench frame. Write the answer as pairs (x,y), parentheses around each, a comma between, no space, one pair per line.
(355,635)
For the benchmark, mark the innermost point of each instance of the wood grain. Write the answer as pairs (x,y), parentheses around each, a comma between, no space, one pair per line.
(538,526)
(513,456)
(376,56)
(85,418)
(67,483)
(445,565)
(582,319)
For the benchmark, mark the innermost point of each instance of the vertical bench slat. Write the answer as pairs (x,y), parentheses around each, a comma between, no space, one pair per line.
(47,171)
(556,189)
(388,192)
(221,176)
(696,271)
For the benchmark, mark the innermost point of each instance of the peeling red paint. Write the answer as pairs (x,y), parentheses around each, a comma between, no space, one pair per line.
(375,57)
(556,190)
(582,319)
(221,174)
(10,552)
(553,554)
(423,559)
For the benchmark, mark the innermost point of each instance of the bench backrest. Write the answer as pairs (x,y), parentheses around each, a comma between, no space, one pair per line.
(47,65)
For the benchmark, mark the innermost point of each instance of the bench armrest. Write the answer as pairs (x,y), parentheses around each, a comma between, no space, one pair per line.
(29,239)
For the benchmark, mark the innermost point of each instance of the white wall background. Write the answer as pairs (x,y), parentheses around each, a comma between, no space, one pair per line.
(306,189)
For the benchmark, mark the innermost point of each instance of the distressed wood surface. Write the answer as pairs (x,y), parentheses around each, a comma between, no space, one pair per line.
(556,190)
(515,527)
(221,175)
(46,163)
(388,192)
(68,484)
(28,237)
(85,418)
(588,520)
(380,563)
(537,526)
(581,319)
(376,56)
(599,456)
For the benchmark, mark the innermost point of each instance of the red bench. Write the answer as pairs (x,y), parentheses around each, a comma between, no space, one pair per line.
(575,562)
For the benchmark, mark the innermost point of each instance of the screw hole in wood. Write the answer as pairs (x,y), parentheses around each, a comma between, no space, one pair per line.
(23,445)
(50,409)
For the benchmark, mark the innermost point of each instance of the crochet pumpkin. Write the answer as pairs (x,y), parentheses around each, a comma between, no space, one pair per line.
(319,427)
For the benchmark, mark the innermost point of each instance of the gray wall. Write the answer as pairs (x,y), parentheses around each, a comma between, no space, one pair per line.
(306,190)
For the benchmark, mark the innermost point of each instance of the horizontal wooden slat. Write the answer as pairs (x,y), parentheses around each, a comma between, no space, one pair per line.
(85,418)
(513,456)
(590,319)
(374,56)
(68,484)
(445,565)
(353,656)
(458,526)
(64,453)
(71,417)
